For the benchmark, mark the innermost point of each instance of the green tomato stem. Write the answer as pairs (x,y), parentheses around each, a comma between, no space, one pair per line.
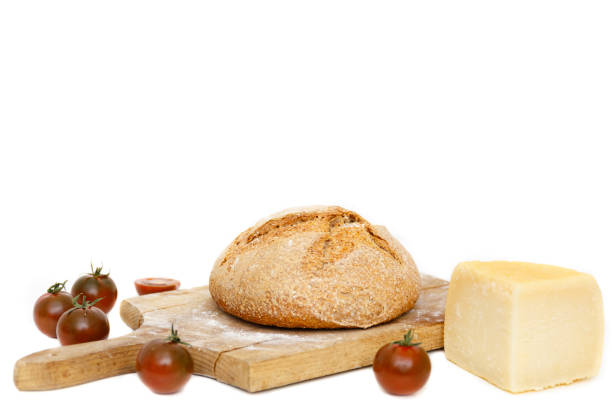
(85,304)
(97,272)
(57,287)
(407,342)
(174,338)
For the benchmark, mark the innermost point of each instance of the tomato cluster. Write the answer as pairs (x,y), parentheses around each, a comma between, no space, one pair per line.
(59,314)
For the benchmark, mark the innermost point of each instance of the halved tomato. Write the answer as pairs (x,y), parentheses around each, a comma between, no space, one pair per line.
(145,286)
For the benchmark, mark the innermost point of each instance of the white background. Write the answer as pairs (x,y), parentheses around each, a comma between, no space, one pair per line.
(147,134)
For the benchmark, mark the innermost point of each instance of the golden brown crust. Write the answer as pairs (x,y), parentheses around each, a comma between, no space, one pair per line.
(315,267)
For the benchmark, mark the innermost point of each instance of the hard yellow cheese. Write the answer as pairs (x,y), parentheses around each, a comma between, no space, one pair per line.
(524,326)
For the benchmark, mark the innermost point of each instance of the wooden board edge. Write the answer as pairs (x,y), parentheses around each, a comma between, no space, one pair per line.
(66,366)
(130,314)
(232,371)
(132,310)
(288,369)
(204,361)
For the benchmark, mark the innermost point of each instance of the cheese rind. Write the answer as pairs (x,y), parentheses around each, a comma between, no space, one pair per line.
(524,326)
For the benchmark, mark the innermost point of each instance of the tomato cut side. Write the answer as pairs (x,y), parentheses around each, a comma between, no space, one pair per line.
(146,286)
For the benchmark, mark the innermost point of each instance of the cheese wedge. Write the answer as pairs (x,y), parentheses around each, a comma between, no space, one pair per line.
(524,326)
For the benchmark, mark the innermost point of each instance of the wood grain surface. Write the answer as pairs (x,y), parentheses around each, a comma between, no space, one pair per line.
(246,355)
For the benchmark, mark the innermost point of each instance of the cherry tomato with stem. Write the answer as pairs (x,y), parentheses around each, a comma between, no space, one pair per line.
(50,306)
(96,285)
(83,323)
(164,365)
(402,367)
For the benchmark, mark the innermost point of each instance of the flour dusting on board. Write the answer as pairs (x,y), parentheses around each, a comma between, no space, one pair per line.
(208,326)
(205,325)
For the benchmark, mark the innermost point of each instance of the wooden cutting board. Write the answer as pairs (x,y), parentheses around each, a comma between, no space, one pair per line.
(246,355)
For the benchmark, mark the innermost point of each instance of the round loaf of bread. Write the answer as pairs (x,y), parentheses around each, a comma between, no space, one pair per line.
(315,267)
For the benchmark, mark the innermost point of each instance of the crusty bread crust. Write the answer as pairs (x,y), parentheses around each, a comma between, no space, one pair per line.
(315,267)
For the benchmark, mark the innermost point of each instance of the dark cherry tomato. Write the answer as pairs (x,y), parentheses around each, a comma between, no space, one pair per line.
(50,306)
(164,365)
(95,285)
(145,286)
(402,367)
(83,323)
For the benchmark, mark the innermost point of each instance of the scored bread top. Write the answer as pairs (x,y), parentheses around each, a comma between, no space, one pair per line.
(315,267)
